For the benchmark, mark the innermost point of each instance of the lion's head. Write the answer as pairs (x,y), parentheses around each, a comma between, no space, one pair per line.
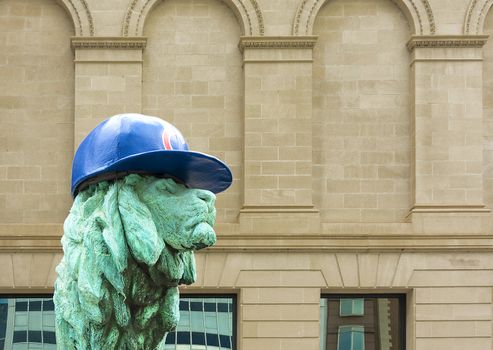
(127,245)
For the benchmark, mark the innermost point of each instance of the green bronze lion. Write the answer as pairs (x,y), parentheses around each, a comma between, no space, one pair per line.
(128,243)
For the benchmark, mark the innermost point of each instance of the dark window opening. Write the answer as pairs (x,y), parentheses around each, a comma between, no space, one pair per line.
(363,322)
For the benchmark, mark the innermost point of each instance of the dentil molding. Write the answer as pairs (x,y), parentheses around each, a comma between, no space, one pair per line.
(446,41)
(277,42)
(132,43)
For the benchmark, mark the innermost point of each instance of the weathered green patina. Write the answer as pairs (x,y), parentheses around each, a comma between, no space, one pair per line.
(127,245)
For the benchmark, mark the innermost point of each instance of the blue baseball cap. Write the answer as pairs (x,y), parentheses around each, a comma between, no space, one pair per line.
(136,143)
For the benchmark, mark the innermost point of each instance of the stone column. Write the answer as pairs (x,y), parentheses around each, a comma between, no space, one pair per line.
(108,80)
(278,135)
(448,152)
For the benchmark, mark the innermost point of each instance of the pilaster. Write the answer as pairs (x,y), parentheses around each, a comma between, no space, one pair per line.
(447,177)
(278,135)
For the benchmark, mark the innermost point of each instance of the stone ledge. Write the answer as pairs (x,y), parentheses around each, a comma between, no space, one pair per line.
(450,209)
(353,243)
(370,243)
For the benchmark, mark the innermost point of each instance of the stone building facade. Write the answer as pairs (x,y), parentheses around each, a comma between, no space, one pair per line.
(359,132)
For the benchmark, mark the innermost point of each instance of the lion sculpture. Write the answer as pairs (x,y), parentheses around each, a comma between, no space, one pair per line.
(128,243)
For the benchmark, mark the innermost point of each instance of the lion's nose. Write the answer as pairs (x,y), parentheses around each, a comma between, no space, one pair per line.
(207,196)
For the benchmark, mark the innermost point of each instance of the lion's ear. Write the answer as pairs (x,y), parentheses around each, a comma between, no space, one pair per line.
(141,233)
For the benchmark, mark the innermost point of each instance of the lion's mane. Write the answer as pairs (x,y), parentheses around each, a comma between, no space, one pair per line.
(127,245)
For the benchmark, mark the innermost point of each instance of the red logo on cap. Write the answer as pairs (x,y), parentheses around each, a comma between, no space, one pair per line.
(166,141)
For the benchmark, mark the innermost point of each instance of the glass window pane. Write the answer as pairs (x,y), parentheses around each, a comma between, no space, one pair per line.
(225,341)
(48,305)
(197,322)
(196,306)
(49,337)
(170,338)
(351,338)
(358,307)
(212,339)
(35,305)
(344,342)
(20,336)
(222,307)
(358,334)
(34,336)
(210,307)
(183,337)
(352,307)
(21,306)
(198,338)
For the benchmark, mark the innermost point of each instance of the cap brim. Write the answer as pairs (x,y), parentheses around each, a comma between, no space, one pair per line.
(194,169)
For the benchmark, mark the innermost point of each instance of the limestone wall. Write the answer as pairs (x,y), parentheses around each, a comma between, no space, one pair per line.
(36,106)
(488,115)
(361,113)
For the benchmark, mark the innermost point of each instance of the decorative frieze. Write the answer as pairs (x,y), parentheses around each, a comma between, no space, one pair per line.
(447,41)
(127,43)
(277,42)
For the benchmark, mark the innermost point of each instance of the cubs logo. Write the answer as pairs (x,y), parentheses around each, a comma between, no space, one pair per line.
(167,141)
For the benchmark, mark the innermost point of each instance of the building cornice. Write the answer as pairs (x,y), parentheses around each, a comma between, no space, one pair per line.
(127,43)
(277,42)
(446,41)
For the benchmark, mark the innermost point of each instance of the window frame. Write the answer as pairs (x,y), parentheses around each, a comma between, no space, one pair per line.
(402,297)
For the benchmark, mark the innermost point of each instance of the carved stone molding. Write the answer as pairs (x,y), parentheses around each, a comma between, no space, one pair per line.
(277,42)
(429,14)
(447,41)
(134,43)
(248,13)
(81,16)
(418,12)
(476,14)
